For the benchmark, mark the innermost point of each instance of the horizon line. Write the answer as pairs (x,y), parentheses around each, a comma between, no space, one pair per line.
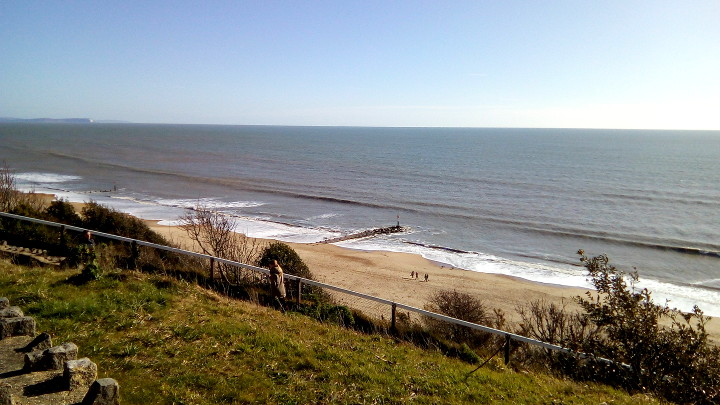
(121,122)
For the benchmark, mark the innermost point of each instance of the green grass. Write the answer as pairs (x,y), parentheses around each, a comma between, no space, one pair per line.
(168,342)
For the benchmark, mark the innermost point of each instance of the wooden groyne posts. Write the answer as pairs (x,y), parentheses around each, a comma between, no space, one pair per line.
(370,232)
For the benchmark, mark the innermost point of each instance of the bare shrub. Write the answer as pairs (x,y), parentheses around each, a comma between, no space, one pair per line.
(214,234)
(33,202)
(8,192)
(11,199)
(553,323)
(467,308)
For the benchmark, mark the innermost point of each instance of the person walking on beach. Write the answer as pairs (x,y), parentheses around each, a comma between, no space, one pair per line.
(277,284)
(426,277)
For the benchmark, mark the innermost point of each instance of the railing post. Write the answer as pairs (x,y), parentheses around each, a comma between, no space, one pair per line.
(392,319)
(507,349)
(299,288)
(63,245)
(134,254)
(212,270)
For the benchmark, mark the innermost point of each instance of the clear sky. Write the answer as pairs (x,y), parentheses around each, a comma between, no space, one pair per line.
(583,64)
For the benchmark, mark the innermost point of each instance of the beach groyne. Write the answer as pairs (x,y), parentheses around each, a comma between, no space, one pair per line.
(368,233)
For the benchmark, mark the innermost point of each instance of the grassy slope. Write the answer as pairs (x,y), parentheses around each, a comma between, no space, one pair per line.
(169,342)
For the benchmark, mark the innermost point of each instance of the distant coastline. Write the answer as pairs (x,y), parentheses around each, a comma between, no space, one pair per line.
(60,121)
(50,120)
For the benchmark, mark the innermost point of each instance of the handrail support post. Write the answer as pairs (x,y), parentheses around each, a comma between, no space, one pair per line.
(507,348)
(135,253)
(393,324)
(63,243)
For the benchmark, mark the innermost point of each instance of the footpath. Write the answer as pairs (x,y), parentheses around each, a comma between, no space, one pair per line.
(25,256)
(33,371)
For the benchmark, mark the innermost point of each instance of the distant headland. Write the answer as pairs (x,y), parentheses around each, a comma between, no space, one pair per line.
(53,120)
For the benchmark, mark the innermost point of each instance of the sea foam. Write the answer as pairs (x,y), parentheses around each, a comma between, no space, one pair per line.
(683,298)
(34,178)
(215,204)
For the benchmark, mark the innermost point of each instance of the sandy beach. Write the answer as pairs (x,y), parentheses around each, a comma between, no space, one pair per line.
(388,275)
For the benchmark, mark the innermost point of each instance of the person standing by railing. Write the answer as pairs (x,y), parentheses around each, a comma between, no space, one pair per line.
(89,241)
(91,269)
(277,284)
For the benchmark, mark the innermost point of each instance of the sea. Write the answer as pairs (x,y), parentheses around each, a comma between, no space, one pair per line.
(518,202)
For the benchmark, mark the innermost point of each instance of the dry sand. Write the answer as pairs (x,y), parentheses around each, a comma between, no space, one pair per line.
(387,275)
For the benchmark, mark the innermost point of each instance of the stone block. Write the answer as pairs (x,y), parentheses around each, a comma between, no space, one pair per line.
(33,360)
(53,358)
(79,373)
(11,312)
(6,397)
(22,326)
(104,391)
(4,302)
(41,342)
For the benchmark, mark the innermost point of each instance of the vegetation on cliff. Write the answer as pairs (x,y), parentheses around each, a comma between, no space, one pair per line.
(168,341)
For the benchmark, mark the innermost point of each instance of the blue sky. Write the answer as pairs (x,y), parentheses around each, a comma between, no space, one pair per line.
(589,64)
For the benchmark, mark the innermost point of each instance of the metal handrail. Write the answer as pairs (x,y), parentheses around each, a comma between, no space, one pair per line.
(139,242)
(507,335)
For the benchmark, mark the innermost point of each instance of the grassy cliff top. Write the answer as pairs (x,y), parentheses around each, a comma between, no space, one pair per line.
(168,342)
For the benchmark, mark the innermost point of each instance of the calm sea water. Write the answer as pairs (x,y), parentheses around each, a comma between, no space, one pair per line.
(512,201)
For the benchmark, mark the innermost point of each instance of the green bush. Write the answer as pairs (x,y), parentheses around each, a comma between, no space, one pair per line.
(92,271)
(288,259)
(676,361)
(63,212)
(651,347)
(27,234)
(94,217)
(104,219)
(291,263)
